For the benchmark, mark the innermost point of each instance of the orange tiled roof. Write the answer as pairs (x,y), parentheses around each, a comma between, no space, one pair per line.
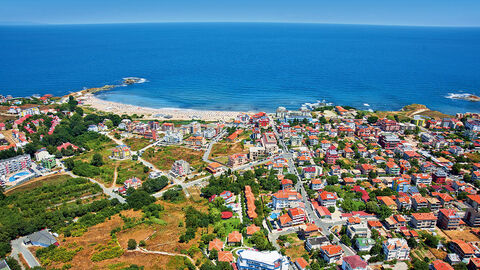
(225,256)
(331,249)
(215,244)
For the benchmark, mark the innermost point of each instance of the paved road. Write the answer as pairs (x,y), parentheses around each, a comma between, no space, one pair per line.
(18,247)
(108,191)
(310,211)
(210,146)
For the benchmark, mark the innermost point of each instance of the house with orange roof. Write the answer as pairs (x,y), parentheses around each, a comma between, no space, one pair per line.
(286,199)
(286,183)
(473,264)
(395,222)
(462,249)
(448,219)
(316,184)
(374,224)
(312,140)
(294,216)
(301,263)
(327,199)
(445,199)
(225,256)
(419,202)
(234,238)
(392,168)
(366,168)
(423,220)
(237,160)
(252,229)
(404,203)
(440,265)
(472,215)
(310,228)
(396,249)
(331,253)
(250,202)
(388,201)
(215,244)
(215,167)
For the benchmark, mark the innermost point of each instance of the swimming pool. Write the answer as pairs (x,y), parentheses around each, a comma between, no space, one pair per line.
(16,176)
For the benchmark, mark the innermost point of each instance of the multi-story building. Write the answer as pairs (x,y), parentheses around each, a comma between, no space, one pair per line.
(423,220)
(263,260)
(133,182)
(237,160)
(462,249)
(256,153)
(327,198)
(121,152)
(434,204)
(316,243)
(388,141)
(15,164)
(270,143)
(422,178)
(181,168)
(448,219)
(419,202)
(331,253)
(358,230)
(286,199)
(293,217)
(472,215)
(396,248)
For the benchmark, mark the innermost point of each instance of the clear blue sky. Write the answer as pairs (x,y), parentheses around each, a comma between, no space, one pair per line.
(387,12)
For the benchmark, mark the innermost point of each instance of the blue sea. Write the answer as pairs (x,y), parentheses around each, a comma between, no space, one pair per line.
(246,66)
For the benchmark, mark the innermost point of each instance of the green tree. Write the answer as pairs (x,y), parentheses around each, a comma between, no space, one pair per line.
(132,244)
(139,198)
(384,212)
(97,160)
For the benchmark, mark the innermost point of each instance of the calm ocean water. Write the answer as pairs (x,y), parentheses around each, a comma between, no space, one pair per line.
(246,66)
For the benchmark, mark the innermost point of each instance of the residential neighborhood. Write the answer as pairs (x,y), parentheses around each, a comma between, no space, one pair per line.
(325,187)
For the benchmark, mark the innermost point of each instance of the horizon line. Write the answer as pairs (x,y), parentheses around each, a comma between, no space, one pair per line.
(231,22)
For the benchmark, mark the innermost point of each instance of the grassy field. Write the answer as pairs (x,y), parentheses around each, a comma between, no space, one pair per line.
(38,182)
(136,144)
(163,157)
(125,168)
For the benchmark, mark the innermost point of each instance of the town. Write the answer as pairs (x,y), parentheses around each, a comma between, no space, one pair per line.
(324,187)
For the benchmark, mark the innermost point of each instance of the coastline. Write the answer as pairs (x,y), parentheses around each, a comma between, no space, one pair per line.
(89,99)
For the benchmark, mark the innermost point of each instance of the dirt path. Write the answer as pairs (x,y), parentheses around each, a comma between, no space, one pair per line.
(142,250)
(115,175)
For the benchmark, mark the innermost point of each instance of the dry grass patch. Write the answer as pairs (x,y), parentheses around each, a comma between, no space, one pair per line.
(464,235)
(136,144)
(226,149)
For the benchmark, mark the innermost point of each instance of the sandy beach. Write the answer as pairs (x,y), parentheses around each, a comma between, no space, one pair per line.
(153,113)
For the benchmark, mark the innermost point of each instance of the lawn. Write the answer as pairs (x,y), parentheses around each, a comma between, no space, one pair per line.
(164,157)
